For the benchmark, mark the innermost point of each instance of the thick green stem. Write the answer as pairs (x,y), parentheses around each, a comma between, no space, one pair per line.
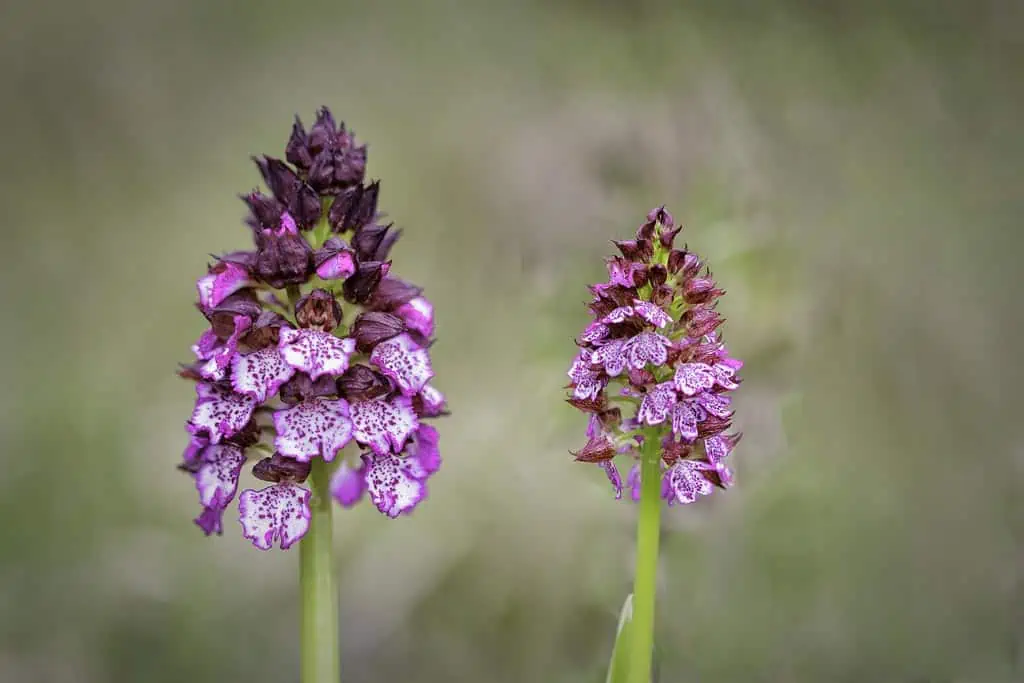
(641,643)
(319,633)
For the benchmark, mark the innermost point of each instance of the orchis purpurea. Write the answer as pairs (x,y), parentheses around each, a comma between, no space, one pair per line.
(652,350)
(313,345)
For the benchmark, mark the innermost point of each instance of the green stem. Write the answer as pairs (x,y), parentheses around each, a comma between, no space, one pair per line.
(648,529)
(319,635)
(294,294)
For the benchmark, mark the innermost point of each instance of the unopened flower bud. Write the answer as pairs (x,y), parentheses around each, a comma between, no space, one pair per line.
(684,263)
(589,404)
(700,290)
(362,383)
(278,176)
(598,449)
(373,327)
(629,249)
(283,257)
(324,132)
(392,293)
(374,242)
(265,331)
(660,215)
(264,212)
(298,198)
(657,274)
(701,320)
(318,310)
(302,388)
(668,236)
(672,450)
(354,207)
(278,469)
(361,285)
(297,150)
(334,170)
(222,318)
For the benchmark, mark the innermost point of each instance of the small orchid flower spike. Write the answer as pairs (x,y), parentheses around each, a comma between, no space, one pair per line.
(313,346)
(653,351)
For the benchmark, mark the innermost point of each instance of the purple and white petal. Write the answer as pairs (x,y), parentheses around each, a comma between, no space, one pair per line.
(612,356)
(217,476)
(418,315)
(717,448)
(725,474)
(315,352)
(734,363)
(686,481)
(337,267)
(684,421)
(349,483)
(225,279)
(212,370)
(422,452)
(652,313)
(613,476)
(392,485)
(620,272)
(216,353)
(589,388)
(647,347)
(216,481)
(724,375)
(656,404)
(197,445)
(206,345)
(618,315)
(691,378)
(404,361)
(383,425)
(260,374)
(219,412)
(433,401)
(211,521)
(580,368)
(316,427)
(587,383)
(275,513)
(716,404)
(593,333)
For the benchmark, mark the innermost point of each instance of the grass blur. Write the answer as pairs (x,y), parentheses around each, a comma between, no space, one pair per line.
(853,174)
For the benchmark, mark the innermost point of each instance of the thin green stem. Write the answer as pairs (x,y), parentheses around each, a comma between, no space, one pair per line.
(294,294)
(641,643)
(319,634)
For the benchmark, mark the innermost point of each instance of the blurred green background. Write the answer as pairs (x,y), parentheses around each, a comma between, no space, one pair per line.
(853,172)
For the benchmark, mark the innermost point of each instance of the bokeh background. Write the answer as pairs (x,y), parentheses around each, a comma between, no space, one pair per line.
(853,172)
